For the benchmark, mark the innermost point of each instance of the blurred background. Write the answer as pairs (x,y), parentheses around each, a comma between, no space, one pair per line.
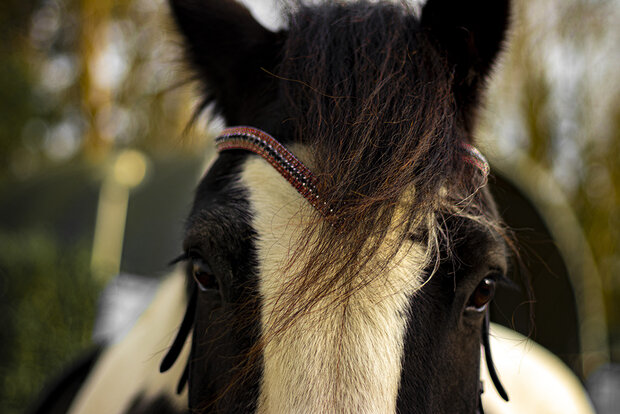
(97,169)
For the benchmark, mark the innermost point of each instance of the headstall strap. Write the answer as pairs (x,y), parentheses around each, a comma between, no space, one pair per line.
(293,170)
(263,144)
(476,159)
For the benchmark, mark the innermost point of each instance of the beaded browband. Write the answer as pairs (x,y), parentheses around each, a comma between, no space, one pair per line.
(263,144)
(293,170)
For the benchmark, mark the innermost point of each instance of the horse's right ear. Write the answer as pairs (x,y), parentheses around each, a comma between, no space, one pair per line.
(469,34)
(229,50)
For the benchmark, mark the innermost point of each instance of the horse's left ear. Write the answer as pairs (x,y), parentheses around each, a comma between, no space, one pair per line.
(470,34)
(230,51)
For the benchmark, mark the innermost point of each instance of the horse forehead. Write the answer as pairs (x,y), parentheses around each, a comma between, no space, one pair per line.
(281,214)
(333,361)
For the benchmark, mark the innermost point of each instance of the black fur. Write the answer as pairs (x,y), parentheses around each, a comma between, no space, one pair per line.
(229,51)
(448,336)
(470,34)
(157,405)
(59,395)
(221,377)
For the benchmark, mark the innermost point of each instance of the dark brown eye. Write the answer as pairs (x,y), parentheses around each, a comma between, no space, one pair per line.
(483,294)
(202,274)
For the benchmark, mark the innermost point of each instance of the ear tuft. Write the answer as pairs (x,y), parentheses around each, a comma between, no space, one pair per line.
(470,34)
(228,48)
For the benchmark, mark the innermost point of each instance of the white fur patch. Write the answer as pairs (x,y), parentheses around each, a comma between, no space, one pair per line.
(130,368)
(328,361)
(536,380)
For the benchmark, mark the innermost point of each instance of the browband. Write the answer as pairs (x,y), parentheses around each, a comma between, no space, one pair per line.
(263,144)
(475,158)
(294,171)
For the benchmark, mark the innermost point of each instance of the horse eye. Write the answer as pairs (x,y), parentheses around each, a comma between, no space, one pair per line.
(203,275)
(482,295)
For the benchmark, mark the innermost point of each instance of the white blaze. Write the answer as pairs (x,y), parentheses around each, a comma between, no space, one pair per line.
(328,360)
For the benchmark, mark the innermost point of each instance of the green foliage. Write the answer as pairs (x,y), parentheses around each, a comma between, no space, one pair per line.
(47,306)
(15,108)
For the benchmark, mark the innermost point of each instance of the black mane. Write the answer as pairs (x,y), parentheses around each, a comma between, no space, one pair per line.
(372,92)
(365,87)
(382,98)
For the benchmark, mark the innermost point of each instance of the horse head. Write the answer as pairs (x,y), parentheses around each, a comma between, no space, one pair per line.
(377,301)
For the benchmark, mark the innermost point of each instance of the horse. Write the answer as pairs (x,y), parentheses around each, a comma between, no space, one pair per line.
(342,248)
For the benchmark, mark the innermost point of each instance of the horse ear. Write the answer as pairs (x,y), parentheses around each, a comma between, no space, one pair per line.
(471,34)
(230,51)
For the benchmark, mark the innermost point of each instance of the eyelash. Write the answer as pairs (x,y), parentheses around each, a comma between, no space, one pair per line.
(181,258)
(200,270)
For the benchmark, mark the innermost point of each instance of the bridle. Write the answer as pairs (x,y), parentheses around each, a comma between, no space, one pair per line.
(301,178)
(280,158)
(295,172)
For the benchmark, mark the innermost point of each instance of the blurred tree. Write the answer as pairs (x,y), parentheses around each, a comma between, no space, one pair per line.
(557,99)
(85,78)
(42,329)
(80,80)
(15,80)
